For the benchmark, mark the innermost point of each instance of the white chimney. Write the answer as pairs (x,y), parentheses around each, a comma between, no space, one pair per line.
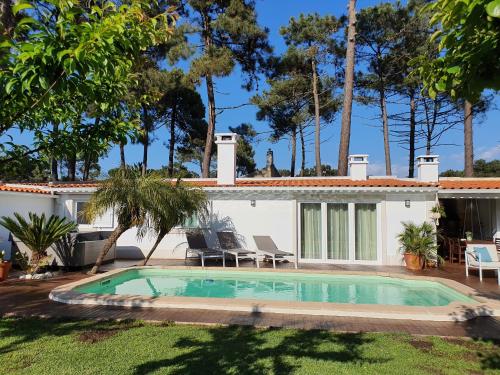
(428,168)
(226,158)
(357,167)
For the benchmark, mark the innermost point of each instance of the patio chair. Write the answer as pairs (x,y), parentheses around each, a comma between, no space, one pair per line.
(482,257)
(268,248)
(231,246)
(198,246)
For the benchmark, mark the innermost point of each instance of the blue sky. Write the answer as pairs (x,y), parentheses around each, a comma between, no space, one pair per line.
(366,135)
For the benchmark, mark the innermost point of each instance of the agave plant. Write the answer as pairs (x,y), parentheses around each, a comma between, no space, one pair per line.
(38,233)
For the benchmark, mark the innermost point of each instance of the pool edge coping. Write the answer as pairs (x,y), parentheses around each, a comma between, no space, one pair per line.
(455,311)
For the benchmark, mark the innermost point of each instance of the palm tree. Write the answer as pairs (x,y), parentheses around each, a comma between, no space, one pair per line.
(177,202)
(128,193)
(38,234)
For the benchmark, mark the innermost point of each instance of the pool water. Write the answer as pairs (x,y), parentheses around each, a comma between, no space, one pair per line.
(352,289)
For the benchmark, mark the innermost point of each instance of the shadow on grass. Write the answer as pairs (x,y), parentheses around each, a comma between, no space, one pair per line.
(245,350)
(31,329)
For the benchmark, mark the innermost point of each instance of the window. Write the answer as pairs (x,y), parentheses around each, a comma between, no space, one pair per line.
(310,220)
(337,231)
(192,221)
(80,217)
(366,232)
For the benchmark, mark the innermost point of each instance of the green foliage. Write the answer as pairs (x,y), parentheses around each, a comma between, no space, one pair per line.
(63,52)
(18,164)
(468,32)
(245,163)
(482,168)
(175,202)
(38,233)
(419,240)
(326,170)
(231,36)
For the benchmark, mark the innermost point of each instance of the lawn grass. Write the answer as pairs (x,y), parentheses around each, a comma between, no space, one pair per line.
(38,346)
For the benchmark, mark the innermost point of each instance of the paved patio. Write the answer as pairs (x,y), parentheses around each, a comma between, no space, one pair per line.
(30,298)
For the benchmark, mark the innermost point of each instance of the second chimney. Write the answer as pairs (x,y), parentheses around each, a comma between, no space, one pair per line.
(226,158)
(357,167)
(428,168)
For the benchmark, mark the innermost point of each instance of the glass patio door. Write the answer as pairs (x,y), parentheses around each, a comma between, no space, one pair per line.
(366,231)
(337,246)
(310,222)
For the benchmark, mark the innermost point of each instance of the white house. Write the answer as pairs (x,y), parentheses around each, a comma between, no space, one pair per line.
(354,219)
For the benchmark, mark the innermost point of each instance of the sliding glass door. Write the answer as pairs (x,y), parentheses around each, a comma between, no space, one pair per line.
(366,231)
(345,232)
(310,219)
(337,246)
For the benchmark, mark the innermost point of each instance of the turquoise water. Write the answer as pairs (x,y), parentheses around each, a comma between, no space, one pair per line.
(277,286)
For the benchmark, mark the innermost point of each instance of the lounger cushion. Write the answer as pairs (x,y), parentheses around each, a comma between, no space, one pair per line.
(483,254)
(492,251)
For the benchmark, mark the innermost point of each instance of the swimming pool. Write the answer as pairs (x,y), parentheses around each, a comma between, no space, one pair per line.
(275,286)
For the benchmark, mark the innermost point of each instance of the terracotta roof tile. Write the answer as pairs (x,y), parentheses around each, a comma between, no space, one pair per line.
(470,183)
(17,189)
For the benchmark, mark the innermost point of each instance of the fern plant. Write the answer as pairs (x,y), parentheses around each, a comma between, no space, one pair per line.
(38,233)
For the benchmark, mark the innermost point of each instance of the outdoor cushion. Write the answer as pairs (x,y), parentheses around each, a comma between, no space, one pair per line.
(483,253)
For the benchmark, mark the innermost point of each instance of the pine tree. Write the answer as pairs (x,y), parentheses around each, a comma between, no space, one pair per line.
(314,36)
(230,36)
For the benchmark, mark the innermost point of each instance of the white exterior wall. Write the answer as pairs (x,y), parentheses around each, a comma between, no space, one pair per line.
(395,214)
(22,203)
(278,218)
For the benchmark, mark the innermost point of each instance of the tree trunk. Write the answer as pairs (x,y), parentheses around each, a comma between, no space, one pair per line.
(468,141)
(207,156)
(171,149)
(54,171)
(345,133)
(303,151)
(145,140)
(72,167)
(317,135)
(160,237)
(123,164)
(7,19)
(106,247)
(294,152)
(411,166)
(385,125)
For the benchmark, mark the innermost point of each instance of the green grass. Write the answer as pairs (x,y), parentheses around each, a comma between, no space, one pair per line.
(37,346)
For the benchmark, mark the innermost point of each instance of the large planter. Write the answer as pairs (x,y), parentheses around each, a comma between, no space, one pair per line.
(413,262)
(4,269)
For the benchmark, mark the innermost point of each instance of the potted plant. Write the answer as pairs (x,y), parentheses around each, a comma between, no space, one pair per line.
(418,245)
(4,266)
(437,212)
(468,236)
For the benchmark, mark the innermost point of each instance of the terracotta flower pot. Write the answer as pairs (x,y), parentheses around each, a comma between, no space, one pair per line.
(413,262)
(4,269)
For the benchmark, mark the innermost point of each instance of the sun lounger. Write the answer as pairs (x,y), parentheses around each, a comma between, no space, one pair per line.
(230,245)
(268,248)
(198,246)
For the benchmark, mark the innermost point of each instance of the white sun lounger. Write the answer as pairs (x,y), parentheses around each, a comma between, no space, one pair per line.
(198,246)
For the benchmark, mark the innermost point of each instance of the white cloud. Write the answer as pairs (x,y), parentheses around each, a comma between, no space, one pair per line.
(488,153)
